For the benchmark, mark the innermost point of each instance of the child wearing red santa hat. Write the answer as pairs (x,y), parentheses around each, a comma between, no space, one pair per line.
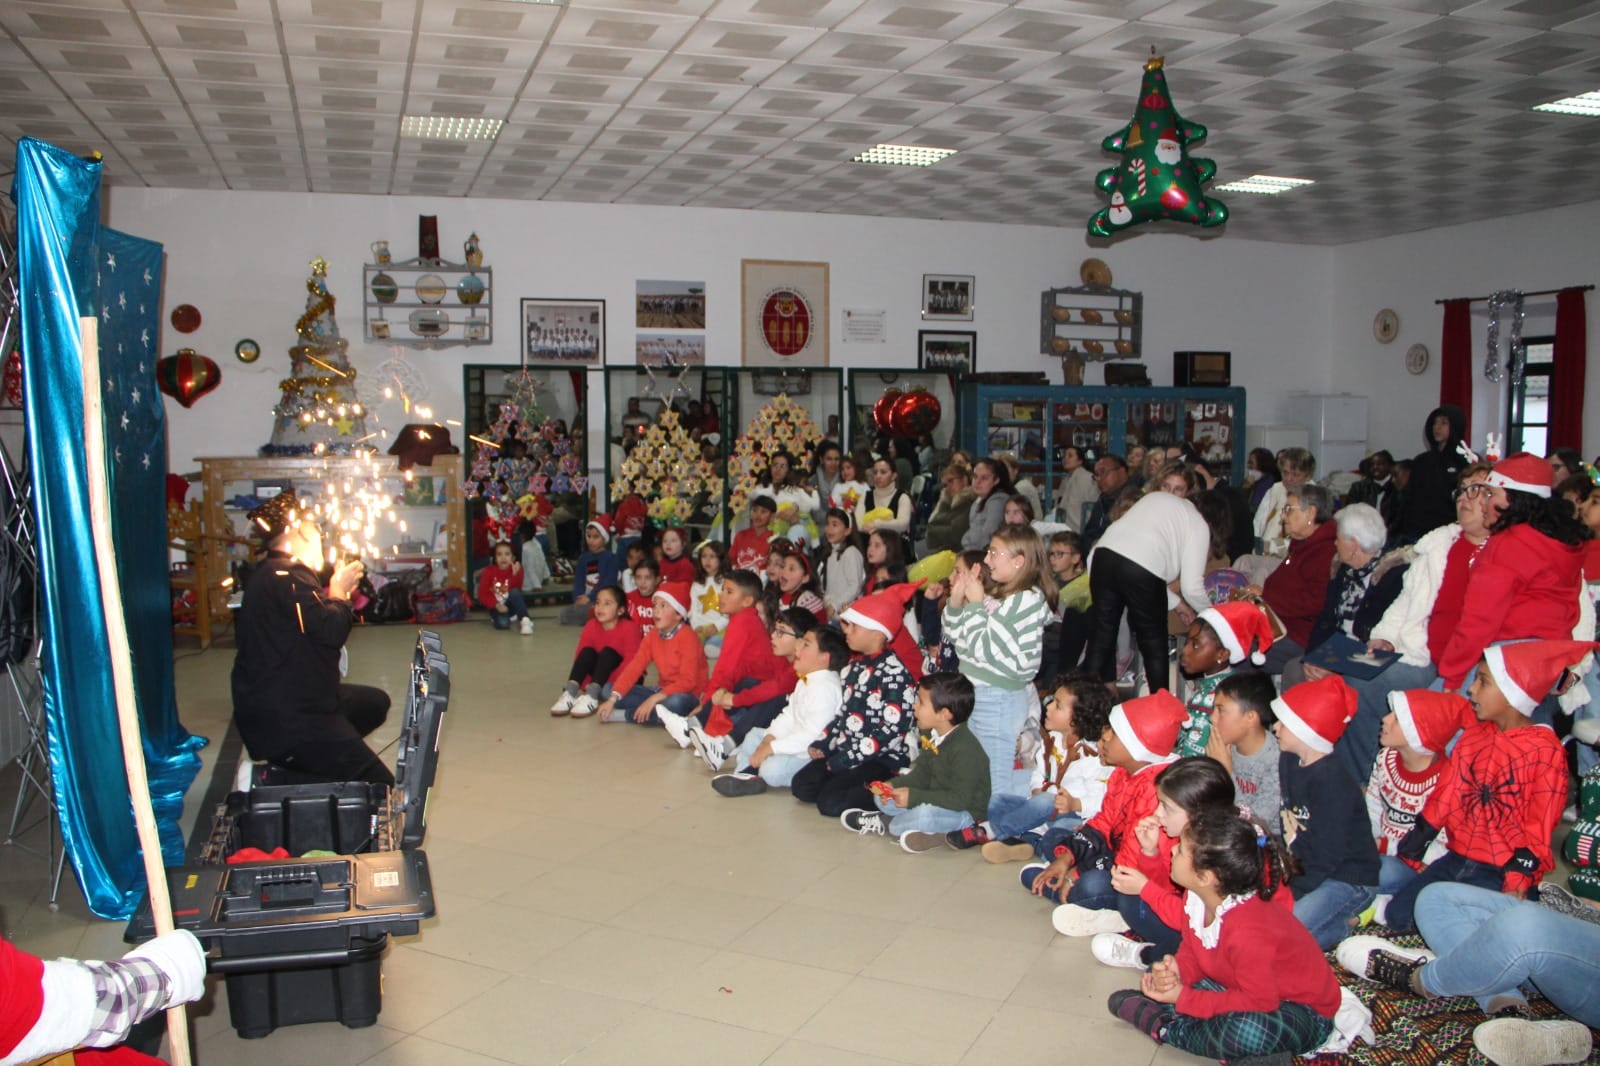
(1502,794)
(1219,640)
(1324,811)
(1138,744)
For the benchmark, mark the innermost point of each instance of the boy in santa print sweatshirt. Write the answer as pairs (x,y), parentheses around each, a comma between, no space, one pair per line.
(1409,764)
(1502,794)
(1324,812)
(1139,744)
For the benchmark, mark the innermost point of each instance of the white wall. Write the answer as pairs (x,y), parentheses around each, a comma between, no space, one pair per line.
(241,259)
(1549,250)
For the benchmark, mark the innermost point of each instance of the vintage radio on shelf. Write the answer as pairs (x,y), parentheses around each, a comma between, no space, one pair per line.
(1126,375)
(1202,368)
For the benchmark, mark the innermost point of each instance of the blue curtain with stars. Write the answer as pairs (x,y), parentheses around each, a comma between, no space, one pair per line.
(71,266)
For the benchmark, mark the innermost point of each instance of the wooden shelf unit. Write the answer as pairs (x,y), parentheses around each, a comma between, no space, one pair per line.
(220,528)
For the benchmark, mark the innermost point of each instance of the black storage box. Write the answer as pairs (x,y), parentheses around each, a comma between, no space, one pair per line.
(299,941)
(302,940)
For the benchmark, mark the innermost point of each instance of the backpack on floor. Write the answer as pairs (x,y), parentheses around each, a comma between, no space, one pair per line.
(440,606)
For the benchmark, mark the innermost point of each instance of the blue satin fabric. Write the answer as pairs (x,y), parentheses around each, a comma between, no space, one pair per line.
(70,265)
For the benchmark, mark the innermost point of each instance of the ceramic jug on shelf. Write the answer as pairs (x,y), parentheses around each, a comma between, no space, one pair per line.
(474,253)
(380,253)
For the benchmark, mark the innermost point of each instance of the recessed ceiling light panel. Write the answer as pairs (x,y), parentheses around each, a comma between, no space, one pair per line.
(1264,184)
(1587,105)
(903,155)
(449,127)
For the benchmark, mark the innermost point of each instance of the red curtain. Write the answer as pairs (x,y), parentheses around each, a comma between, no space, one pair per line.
(1455,357)
(1566,386)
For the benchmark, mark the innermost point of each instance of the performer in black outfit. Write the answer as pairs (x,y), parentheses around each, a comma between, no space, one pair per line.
(291,707)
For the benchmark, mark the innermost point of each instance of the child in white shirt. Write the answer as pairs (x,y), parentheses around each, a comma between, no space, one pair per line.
(771,757)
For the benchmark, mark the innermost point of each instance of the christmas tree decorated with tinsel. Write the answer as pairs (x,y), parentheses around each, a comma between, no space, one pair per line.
(318,412)
(666,471)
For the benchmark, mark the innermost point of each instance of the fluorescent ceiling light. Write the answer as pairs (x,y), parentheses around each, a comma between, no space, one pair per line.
(449,127)
(555,3)
(1587,105)
(1264,184)
(903,155)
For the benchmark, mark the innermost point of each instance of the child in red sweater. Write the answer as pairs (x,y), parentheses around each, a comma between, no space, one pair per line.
(1138,744)
(646,578)
(751,683)
(1503,792)
(500,590)
(749,548)
(678,656)
(1248,980)
(675,565)
(609,639)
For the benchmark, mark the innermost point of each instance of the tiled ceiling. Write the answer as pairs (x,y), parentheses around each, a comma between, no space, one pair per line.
(1408,114)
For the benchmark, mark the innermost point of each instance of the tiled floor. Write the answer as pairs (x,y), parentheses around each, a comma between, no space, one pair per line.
(598,903)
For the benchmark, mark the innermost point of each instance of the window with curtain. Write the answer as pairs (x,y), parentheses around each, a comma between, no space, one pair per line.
(1528,418)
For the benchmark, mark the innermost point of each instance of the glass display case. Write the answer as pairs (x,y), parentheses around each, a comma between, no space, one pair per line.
(1037,423)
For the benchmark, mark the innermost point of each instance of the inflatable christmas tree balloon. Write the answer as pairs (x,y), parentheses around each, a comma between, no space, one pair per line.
(1156,178)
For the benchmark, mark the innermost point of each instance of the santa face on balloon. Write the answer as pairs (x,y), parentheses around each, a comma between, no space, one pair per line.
(1168,150)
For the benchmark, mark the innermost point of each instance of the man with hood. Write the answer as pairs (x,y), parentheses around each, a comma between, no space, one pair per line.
(1428,503)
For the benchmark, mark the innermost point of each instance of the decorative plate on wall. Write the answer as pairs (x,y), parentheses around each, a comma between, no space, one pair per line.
(384,289)
(1417,358)
(247,351)
(430,322)
(430,288)
(1385,325)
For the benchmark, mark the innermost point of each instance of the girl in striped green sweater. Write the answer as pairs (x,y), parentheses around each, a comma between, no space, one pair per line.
(997,627)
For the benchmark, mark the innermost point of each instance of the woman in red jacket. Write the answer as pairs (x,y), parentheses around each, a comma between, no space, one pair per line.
(1297,589)
(1526,582)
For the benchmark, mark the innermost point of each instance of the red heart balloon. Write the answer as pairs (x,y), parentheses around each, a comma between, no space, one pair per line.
(187,376)
(882,411)
(915,413)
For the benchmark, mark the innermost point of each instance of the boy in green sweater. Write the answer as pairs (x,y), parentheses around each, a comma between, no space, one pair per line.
(947,787)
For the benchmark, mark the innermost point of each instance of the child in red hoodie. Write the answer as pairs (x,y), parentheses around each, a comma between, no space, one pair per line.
(1248,980)
(500,590)
(1138,744)
(750,684)
(1501,795)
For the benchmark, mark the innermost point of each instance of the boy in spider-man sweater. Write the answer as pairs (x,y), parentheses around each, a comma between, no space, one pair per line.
(1138,744)
(1502,794)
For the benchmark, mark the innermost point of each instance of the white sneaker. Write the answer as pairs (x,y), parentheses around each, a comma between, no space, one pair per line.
(1114,949)
(1515,1042)
(1070,919)
(712,750)
(527,626)
(584,706)
(563,706)
(676,725)
(1375,959)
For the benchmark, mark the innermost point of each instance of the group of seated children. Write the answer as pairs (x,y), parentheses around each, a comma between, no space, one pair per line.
(1211,844)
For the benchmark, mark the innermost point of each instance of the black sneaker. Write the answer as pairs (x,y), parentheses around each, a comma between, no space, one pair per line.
(740,784)
(1561,900)
(970,837)
(863,822)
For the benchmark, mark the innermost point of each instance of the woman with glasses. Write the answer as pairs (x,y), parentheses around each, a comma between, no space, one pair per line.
(952,514)
(1297,589)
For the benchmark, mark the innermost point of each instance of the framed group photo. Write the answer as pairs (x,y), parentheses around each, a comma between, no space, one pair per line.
(950,351)
(948,297)
(569,332)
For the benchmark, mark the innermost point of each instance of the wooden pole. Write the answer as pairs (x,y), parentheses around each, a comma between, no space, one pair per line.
(144,816)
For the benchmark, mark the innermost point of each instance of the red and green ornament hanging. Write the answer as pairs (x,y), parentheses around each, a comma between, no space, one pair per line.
(1156,178)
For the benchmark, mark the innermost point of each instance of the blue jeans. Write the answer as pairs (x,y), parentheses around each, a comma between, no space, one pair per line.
(1091,889)
(923,818)
(1358,748)
(1013,817)
(1393,875)
(1448,867)
(998,716)
(1588,757)
(1491,944)
(1327,909)
(516,610)
(628,702)
(776,770)
(1162,938)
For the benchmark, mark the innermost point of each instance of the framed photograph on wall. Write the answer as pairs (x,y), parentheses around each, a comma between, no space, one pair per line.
(568,332)
(948,297)
(784,313)
(951,351)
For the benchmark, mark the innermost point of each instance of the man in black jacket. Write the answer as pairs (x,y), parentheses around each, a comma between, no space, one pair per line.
(291,708)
